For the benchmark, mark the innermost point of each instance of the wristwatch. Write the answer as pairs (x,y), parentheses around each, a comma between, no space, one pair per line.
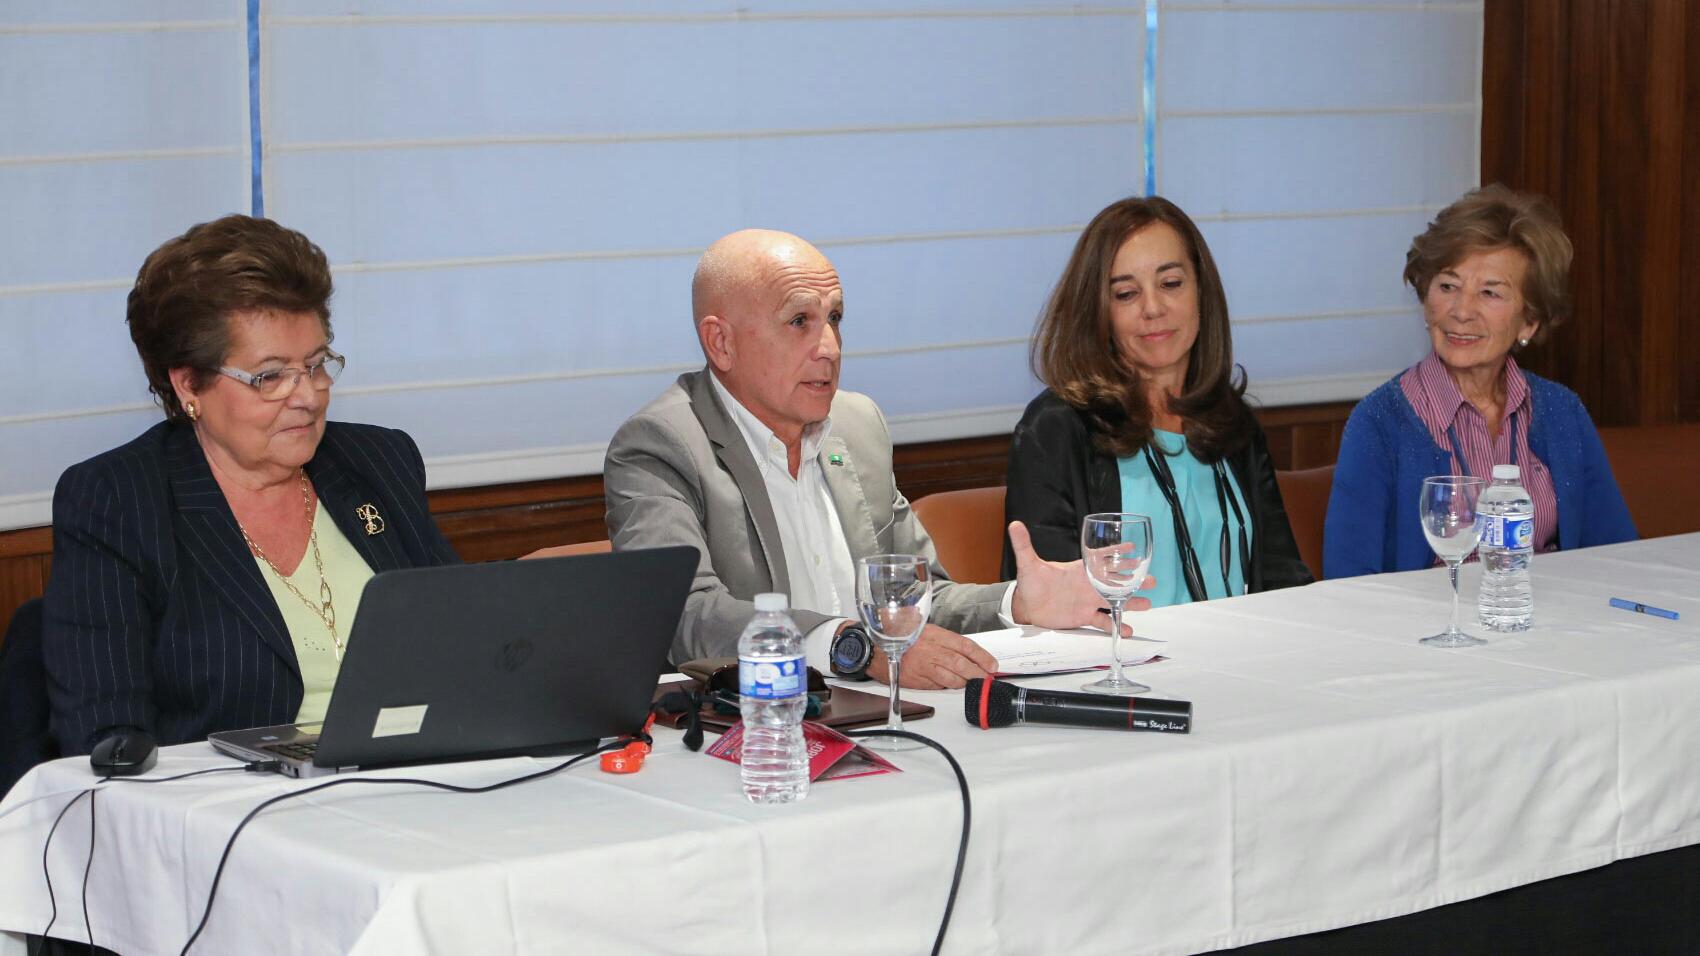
(851,652)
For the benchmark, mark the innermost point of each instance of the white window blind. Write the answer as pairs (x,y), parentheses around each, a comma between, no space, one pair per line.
(513,192)
(120,124)
(1311,141)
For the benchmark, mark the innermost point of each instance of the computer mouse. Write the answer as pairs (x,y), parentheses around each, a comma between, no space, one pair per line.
(124,754)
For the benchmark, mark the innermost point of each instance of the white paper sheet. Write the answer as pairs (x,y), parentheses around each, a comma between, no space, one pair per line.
(1031,652)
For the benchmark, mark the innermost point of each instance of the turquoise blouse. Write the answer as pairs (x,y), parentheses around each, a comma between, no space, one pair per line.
(1195,487)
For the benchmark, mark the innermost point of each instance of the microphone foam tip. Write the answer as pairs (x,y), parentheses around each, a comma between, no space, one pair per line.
(989,703)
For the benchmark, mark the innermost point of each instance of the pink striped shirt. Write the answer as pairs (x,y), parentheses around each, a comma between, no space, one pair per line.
(1445,411)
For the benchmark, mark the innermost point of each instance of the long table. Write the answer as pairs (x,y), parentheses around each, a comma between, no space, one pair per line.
(1338,773)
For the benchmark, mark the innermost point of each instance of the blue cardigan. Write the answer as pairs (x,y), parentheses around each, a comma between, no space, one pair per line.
(1387,451)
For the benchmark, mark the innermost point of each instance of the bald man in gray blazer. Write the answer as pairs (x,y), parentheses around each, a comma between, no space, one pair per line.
(781,481)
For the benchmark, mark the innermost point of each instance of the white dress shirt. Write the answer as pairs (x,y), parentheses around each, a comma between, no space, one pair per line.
(817,557)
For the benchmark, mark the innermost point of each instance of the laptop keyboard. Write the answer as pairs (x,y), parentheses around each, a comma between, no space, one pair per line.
(298,750)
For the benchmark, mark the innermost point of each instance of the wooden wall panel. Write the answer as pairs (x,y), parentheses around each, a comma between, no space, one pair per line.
(931,467)
(25,560)
(1621,243)
(1596,103)
(1668,112)
(505,521)
(1688,343)
(1305,436)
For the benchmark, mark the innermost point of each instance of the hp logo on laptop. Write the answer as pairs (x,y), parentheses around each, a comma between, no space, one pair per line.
(513,655)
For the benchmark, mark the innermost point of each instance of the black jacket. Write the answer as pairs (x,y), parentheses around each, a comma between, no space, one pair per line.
(1057,477)
(157,616)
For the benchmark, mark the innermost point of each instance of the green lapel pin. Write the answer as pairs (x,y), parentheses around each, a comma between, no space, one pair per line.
(835,459)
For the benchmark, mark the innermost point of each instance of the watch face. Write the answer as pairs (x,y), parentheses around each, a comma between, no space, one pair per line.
(850,652)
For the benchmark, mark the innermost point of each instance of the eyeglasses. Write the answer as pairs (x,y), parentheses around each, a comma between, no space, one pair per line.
(276,384)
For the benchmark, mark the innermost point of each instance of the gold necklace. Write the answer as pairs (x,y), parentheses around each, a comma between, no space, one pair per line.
(325,610)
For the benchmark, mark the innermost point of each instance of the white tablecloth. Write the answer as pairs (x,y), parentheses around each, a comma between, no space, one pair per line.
(1338,773)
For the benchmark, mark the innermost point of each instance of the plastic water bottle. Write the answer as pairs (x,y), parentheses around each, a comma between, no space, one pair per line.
(773,684)
(1508,537)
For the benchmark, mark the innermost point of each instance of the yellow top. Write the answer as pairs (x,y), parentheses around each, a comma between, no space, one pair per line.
(347,573)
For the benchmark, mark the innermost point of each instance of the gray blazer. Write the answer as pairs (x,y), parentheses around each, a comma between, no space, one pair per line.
(680,472)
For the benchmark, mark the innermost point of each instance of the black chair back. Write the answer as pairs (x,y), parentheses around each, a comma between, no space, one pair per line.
(24,737)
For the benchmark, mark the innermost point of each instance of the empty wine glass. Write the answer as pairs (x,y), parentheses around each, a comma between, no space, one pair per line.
(1447,510)
(894,593)
(1116,550)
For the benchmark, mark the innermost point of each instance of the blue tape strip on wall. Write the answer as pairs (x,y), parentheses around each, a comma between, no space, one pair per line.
(257,193)
(1150,98)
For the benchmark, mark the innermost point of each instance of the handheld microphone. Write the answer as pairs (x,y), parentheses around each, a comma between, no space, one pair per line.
(996,703)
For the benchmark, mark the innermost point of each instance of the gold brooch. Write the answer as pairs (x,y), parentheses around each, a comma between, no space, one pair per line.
(369,514)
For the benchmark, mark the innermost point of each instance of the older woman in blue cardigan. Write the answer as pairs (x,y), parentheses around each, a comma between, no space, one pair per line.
(1491,272)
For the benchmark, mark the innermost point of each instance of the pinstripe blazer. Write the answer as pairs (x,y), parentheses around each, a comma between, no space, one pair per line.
(157,616)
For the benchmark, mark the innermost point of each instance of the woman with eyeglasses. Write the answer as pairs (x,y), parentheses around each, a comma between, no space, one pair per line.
(206,574)
(1142,413)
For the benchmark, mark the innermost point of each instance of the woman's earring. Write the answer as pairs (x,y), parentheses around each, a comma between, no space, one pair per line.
(1523,342)
(189,410)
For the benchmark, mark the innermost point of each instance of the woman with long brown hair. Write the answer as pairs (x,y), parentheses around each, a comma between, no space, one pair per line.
(1144,412)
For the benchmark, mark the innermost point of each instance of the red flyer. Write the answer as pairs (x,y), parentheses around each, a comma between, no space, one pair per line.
(832,756)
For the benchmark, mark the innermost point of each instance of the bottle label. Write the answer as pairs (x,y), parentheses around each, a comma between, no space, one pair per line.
(1514,532)
(772,679)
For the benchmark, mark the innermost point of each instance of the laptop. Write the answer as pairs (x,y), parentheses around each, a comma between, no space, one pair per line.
(508,658)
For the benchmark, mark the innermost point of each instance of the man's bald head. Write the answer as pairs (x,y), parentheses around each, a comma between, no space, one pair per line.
(767,306)
(741,264)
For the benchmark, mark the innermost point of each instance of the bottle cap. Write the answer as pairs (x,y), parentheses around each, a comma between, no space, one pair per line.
(772,601)
(1506,473)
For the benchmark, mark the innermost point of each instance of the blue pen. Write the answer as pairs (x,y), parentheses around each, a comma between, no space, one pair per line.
(1640,608)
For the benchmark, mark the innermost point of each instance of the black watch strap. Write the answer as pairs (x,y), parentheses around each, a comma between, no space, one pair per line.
(851,652)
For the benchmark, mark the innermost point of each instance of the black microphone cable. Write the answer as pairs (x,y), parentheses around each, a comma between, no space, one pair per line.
(967,818)
(218,874)
(88,865)
(45,846)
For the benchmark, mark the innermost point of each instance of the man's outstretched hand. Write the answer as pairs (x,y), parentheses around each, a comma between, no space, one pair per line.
(1057,594)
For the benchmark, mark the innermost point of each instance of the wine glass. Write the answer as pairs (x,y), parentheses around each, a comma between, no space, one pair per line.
(1447,510)
(1116,550)
(894,593)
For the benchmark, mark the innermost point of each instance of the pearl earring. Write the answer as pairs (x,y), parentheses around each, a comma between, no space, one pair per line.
(1523,342)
